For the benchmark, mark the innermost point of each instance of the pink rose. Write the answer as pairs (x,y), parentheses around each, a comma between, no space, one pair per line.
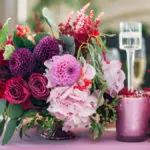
(114,76)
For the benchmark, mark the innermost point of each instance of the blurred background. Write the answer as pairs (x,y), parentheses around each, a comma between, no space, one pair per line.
(29,12)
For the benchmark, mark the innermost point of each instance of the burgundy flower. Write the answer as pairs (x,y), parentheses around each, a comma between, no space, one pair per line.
(22,62)
(17,91)
(2,88)
(37,84)
(46,49)
(2,61)
(27,105)
(4,74)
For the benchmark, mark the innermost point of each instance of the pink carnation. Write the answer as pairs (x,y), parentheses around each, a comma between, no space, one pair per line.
(114,76)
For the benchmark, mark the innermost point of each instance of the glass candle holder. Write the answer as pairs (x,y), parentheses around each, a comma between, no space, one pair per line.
(132,119)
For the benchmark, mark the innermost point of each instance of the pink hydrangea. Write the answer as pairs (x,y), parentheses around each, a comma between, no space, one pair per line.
(62,70)
(72,105)
(114,76)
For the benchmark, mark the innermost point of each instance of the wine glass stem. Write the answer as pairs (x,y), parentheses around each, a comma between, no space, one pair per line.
(130,67)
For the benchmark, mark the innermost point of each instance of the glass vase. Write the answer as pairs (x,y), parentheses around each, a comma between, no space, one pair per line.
(58,134)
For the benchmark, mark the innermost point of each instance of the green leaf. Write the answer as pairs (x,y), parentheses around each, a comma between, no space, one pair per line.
(9,49)
(39,36)
(2,105)
(101,94)
(68,43)
(28,44)
(101,129)
(49,19)
(96,133)
(91,51)
(21,42)
(14,111)
(10,129)
(28,125)
(19,121)
(115,101)
(40,122)
(2,124)
(4,32)
(18,41)
(29,113)
(39,103)
(98,130)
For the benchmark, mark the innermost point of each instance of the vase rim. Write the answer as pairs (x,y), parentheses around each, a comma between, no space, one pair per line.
(133,98)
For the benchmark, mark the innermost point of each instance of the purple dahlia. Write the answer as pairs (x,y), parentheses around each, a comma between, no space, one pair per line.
(46,49)
(22,62)
(63,70)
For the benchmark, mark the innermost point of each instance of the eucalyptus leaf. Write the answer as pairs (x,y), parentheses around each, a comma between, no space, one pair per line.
(15,111)
(4,32)
(48,16)
(2,105)
(69,44)
(10,129)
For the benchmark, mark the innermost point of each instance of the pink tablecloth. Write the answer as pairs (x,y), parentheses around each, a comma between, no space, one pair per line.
(82,141)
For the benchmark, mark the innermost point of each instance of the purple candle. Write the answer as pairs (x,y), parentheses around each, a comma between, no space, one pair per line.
(132,119)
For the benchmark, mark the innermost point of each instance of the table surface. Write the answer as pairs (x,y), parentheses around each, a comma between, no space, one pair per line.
(81,142)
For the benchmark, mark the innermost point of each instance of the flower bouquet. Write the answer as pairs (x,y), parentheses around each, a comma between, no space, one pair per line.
(57,82)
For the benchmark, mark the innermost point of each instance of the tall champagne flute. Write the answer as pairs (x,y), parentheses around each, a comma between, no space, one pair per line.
(130,40)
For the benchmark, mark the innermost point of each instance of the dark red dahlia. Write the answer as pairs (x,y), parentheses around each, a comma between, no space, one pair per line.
(22,62)
(46,49)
